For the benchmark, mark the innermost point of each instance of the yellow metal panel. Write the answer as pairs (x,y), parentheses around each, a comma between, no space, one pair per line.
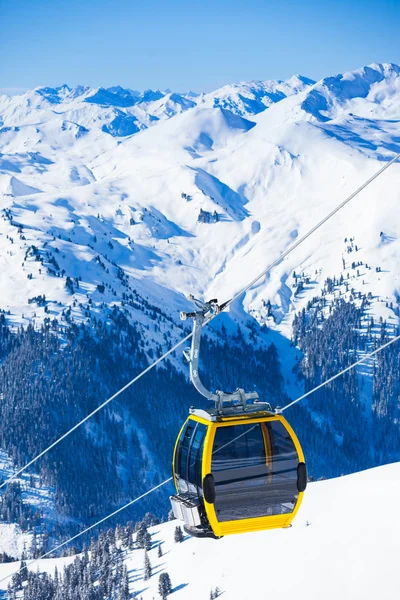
(199,419)
(257,524)
(206,469)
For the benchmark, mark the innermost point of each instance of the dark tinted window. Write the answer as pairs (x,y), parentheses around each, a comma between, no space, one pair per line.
(183,450)
(237,447)
(188,460)
(195,458)
(254,468)
(283,448)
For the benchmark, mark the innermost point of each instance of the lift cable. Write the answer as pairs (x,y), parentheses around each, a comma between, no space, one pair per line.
(318,387)
(223,306)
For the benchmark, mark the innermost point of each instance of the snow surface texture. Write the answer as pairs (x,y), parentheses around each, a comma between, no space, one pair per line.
(344,543)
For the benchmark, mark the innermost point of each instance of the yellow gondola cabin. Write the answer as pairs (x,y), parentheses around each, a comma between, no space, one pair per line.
(237,474)
(238,466)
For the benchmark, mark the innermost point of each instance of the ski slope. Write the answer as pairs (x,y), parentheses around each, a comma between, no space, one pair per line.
(344,542)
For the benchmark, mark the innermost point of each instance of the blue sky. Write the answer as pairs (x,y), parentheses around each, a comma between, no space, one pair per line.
(190,45)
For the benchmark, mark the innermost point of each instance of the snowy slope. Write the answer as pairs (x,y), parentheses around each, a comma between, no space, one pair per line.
(344,542)
(349,549)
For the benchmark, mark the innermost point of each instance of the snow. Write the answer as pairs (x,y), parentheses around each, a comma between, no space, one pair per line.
(344,542)
(349,550)
(13,541)
(49,565)
(12,186)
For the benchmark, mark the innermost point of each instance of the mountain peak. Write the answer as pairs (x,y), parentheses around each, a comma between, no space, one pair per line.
(151,96)
(299,81)
(329,94)
(115,96)
(53,95)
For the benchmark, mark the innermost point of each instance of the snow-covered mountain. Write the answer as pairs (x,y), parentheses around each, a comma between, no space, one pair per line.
(136,201)
(345,542)
(117,198)
(121,112)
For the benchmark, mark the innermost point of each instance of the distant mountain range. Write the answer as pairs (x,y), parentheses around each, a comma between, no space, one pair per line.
(122,112)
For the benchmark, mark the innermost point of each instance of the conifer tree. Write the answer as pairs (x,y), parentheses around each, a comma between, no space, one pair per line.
(164,585)
(10,592)
(140,537)
(124,587)
(178,534)
(147,541)
(147,569)
(23,568)
(16,581)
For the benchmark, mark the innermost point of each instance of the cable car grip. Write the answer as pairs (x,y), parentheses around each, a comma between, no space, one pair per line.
(239,398)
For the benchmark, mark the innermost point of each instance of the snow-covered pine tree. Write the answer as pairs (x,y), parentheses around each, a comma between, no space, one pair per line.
(23,568)
(10,593)
(124,586)
(143,537)
(16,581)
(178,535)
(140,536)
(147,541)
(164,585)
(147,569)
